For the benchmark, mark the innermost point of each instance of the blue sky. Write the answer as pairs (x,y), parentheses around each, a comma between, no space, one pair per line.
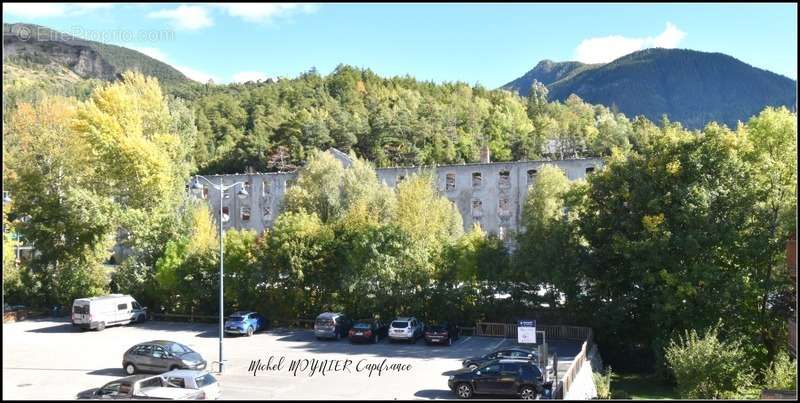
(489,44)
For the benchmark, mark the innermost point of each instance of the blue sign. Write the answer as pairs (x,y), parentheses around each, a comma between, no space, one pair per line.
(526,331)
(526,323)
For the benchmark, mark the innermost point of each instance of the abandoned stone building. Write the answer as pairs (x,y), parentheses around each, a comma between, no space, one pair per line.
(490,194)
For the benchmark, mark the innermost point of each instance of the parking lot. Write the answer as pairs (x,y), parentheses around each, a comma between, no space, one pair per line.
(49,359)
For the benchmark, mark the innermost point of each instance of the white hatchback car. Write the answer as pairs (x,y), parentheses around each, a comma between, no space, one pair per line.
(193,379)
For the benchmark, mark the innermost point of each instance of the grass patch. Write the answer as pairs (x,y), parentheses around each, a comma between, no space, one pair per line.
(642,387)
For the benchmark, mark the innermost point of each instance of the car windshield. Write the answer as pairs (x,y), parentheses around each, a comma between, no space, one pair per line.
(204,380)
(179,348)
(362,326)
(399,324)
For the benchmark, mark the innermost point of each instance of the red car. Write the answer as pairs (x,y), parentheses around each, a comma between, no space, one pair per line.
(443,333)
(368,330)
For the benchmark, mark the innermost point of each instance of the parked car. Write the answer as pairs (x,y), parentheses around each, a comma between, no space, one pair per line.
(192,379)
(140,387)
(331,325)
(519,378)
(529,354)
(99,312)
(160,356)
(371,330)
(406,328)
(443,333)
(245,322)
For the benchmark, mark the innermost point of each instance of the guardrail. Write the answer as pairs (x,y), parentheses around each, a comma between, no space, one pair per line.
(179,317)
(569,375)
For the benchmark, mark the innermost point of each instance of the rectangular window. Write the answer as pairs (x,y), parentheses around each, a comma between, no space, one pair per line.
(477,208)
(122,307)
(476,179)
(245,213)
(450,182)
(532,176)
(226,216)
(505,179)
(267,214)
(503,208)
(589,170)
(400,178)
(266,188)
(247,186)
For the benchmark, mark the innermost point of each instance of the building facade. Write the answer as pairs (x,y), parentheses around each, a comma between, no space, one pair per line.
(489,194)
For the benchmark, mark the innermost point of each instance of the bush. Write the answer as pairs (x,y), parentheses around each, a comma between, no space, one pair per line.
(707,368)
(602,383)
(782,374)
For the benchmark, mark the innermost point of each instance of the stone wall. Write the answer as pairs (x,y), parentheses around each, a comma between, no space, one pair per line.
(490,194)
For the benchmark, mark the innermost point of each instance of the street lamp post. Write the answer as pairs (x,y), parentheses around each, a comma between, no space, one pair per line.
(242,193)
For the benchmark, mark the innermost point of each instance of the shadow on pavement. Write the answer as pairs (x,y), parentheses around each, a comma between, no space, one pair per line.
(435,394)
(108,372)
(62,328)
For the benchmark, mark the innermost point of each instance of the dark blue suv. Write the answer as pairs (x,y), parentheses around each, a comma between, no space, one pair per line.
(244,322)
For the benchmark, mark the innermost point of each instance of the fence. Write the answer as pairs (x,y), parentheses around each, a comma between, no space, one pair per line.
(550,331)
(177,317)
(569,375)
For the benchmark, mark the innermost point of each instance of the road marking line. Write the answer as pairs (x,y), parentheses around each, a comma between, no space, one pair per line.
(498,344)
(465,340)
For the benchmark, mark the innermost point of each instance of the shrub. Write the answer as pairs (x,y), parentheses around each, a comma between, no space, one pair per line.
(602,383)
(707,368)
(782,374)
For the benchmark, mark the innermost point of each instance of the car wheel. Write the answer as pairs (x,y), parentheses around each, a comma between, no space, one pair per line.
(101,326)
(464,391)
(130,369)
(250,331)
(472,366)
(527,393)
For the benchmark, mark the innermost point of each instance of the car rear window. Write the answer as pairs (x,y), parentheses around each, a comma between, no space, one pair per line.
(324,322)
(362,326)
(399,324)
(436,328)
(81,309)
(204,380)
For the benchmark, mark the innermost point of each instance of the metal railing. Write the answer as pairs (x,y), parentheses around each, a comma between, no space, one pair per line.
(489,329)
(567,380)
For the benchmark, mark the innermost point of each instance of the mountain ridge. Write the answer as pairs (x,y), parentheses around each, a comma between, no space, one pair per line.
(688,86)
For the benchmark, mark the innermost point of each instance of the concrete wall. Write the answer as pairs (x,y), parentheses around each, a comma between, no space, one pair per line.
(264,199)
(495,203)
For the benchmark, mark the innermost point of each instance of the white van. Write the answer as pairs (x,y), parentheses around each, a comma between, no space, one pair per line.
(99,312)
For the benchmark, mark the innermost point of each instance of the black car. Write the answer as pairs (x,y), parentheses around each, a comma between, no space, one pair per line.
(368,330)
(443,333)
(506,353)
(520,378)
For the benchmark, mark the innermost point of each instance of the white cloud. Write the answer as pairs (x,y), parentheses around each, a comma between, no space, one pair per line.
(245,76)
(193,74)
(44,10)
(262,13)
(185,17)
(608,48)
